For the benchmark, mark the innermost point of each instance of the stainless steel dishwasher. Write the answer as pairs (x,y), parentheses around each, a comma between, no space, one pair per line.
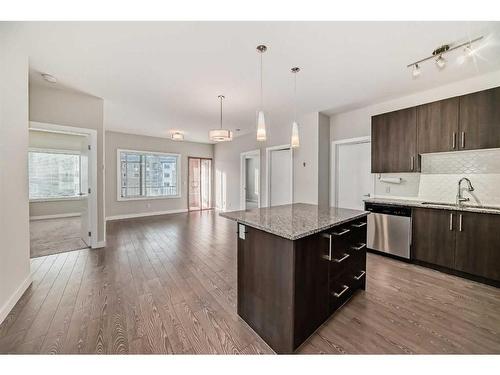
(389,229)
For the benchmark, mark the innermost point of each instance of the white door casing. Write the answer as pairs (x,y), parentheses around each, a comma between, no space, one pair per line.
(279,181)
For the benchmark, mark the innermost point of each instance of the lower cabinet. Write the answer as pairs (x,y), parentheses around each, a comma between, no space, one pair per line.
(462,241)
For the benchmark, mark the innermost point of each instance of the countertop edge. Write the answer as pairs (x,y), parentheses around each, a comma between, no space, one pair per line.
(297,237)
(418,204)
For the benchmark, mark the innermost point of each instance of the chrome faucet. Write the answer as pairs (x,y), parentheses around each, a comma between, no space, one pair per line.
(461,199)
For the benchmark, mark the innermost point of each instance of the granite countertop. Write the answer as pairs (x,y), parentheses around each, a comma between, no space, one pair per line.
(435,205)
(294,221)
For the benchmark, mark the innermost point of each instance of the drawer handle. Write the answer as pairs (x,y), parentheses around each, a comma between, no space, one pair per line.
(360,225)
(345,289)
(361,246)
(342,259)
(360,276)
(329,256)
(341,233)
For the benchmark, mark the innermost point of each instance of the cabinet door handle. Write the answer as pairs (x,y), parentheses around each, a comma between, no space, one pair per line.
(454,140)
(360,225)
(341,233)
(463,139)
(460,222)
(344,257)
(361,246)
(329,256)
(360,276)
(412,163)
(451,221)
(345,289)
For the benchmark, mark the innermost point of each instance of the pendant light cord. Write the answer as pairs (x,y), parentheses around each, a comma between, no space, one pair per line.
(221,112)
(261,85)
(295,97)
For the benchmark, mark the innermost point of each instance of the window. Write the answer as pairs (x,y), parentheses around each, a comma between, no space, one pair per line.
(145,175)
(53,174)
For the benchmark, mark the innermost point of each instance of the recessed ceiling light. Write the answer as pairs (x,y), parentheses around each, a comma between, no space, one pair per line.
(49,78)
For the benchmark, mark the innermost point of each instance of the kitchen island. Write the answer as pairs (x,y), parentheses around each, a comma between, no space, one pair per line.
(297,264)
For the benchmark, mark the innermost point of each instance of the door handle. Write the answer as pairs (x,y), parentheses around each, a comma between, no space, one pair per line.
(360,276)
(460,222)
(360,225)
(344,257)
(341,233)
(463,139)
(451,221)
(454,141)
(412,163)
(361,246)
(345,289)
(329,256)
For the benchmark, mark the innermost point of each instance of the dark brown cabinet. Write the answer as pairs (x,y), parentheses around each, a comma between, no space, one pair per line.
(480,120)
(437,126)
(394,142)
(478,245)
(461,241)
(433,236)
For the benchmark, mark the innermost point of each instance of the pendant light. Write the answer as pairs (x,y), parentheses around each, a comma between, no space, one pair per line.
(220,135)
(294,142)
(261,122)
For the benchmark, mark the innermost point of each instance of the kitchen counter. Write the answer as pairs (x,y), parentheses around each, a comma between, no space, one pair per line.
(294,221)
(435,205)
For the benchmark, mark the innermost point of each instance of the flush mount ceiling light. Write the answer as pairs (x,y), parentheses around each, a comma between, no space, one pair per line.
(438,55)
(177,136)
(294,141)
(220,135)
(49,78)
(261,121)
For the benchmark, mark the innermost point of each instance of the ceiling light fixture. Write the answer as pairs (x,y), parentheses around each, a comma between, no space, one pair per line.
(49,78)
(261,121)
(438,55)
(294,141)
(177,136)
(416,71)
(220,135)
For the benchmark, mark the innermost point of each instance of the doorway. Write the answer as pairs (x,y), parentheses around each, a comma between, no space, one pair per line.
(279,175)
(199,183)
(352,178)
(62,179)
(250,179)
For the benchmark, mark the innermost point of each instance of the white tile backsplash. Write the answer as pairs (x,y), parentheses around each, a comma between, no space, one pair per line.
(441,173)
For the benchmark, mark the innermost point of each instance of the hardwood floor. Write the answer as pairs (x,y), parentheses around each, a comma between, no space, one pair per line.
(167,284)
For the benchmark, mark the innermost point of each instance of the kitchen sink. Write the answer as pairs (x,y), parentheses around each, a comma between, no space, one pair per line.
(440,204)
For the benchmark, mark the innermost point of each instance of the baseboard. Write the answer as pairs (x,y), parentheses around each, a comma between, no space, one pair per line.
(99,244)
(57,216)
(11,302)
(145,214)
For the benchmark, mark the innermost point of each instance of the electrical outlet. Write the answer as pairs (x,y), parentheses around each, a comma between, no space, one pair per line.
(387,189)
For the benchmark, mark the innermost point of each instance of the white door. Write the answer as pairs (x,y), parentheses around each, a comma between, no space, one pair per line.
(84,188)
(354,178)
(280,172)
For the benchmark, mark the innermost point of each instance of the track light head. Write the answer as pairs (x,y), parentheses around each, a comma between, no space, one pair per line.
(440,62)
(416,71)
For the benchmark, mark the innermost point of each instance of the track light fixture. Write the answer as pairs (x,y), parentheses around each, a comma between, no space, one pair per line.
(438,55)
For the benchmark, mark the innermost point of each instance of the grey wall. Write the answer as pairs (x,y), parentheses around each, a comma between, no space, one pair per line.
(305,162)
(14,216)
(115,141)
(71,108)
(59,141)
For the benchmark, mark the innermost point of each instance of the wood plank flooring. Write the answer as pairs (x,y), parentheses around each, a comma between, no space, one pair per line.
(167,284)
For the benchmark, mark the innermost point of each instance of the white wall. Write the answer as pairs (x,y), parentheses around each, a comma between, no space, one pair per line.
(55,141)
(72,108)
(305,162)
(14,217)
(115,140)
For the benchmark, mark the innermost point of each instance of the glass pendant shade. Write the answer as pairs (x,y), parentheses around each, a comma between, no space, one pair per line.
(294,142)
(220,135)
(261,126)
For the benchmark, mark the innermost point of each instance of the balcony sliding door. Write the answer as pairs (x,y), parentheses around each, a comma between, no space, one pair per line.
(199,183)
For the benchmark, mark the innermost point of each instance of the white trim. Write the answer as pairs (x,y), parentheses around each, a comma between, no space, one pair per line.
(268,170)
(119,197)
(99,244)
(73,198)
(56,216)
(243,157)
(14,298)
(55,150)
(145,214)
(91,135)
(335,168)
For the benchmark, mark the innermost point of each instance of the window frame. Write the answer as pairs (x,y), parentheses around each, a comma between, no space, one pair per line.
(58,151)
(119,197)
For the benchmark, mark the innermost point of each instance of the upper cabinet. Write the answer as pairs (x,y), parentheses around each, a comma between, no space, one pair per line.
(480,120)
(394,142)
(467,122)
(437,126)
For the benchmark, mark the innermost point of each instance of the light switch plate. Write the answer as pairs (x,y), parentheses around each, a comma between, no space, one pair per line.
(241,231)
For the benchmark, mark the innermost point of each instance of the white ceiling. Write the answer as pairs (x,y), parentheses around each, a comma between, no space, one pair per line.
(161,76)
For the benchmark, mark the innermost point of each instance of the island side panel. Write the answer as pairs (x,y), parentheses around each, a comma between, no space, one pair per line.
(265,287)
